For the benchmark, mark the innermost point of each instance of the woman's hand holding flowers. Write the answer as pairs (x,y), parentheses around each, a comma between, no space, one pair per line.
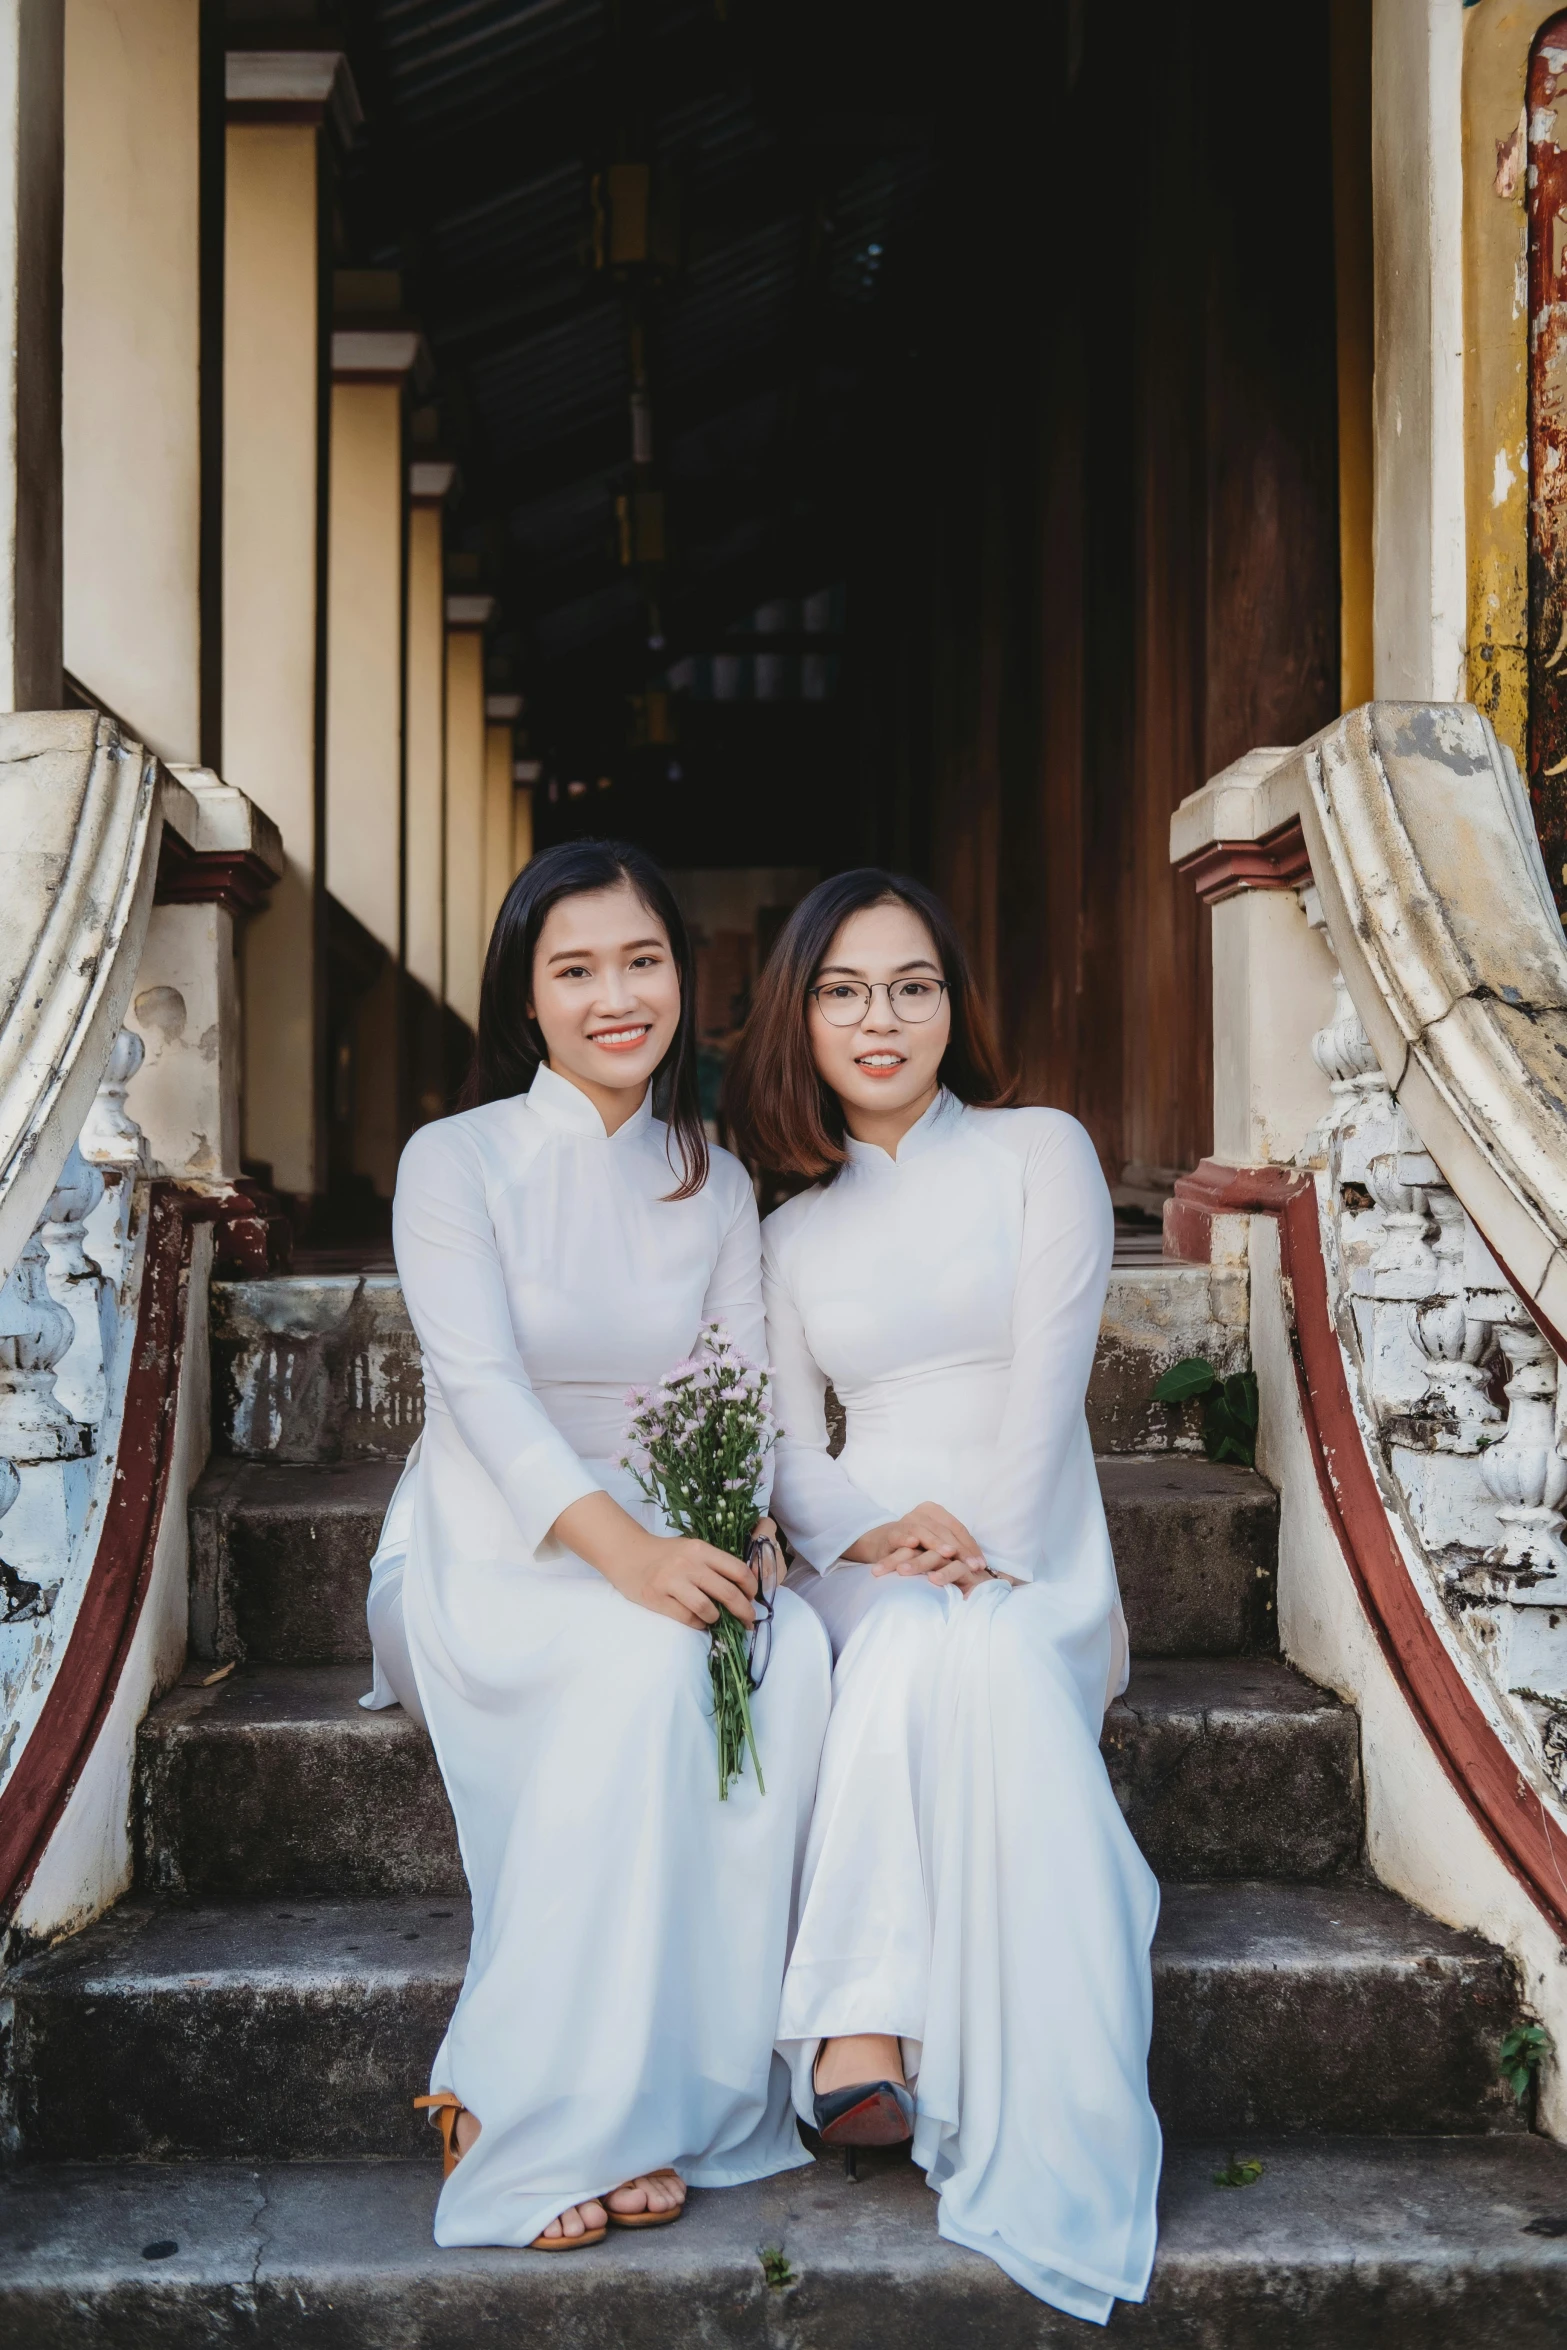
(673,1574)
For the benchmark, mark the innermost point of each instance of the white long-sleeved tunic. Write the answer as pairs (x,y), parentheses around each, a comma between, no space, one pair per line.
(970,1884)
(629,1928)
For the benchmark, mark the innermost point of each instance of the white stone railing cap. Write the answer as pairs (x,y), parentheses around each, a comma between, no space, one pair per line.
(1241,802)
(213,816)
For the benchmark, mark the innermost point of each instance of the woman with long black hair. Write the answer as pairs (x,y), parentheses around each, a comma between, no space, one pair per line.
(971,1965)
(559,1243)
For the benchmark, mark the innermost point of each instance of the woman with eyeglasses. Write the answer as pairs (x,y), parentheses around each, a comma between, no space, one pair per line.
(970,1969)
(559,1243)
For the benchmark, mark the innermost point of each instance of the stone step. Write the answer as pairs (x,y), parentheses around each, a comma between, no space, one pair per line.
(277,1782)
(280,1557)
(325,1367)
(1197,1552)
(280,1560)
(1341,2244)
(248,2030)
(1235,1767)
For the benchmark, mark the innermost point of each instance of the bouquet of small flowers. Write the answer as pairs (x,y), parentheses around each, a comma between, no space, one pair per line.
(697,1445)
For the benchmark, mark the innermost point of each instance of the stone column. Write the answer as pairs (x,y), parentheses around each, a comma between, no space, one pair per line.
(429,481)
(273,565)
(525,773)
(364,724)
(466,617)
(132,356)
(501,712)
(32,52)
(373,350)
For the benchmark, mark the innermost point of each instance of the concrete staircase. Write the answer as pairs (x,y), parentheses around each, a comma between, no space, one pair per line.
(209,2089)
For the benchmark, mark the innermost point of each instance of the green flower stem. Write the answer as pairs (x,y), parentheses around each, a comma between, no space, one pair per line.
(705,1452)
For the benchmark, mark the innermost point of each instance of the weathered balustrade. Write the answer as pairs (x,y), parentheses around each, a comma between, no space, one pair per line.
(122,883)
(1379,893)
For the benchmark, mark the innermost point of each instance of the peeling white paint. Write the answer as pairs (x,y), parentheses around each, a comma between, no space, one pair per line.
(1502,480)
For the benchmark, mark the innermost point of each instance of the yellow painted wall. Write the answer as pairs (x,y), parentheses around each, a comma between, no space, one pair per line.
(1498,36)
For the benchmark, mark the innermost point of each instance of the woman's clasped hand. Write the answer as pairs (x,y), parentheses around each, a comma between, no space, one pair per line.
(927,1540)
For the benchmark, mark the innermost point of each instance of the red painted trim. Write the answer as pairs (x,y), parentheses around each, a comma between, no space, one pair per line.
(236,878)
(1483,1774)
(88,1674)
(1223,868)
(1213,1189)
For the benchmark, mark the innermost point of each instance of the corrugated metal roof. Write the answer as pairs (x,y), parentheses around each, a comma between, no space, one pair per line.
(567,376)
(528,230)
(733,302)
(451,57)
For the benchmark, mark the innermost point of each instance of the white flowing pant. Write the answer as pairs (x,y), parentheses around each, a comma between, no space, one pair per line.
(629,1928)
(971,1886)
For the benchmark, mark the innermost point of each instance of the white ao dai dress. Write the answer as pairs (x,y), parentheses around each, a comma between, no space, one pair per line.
(969,1883)
(629,1929)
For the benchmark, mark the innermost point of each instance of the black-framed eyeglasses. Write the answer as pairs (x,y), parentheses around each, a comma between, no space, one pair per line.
(844,1003)
(766,1564)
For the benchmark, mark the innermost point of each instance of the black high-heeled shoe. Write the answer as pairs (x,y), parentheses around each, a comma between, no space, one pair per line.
(870,2113)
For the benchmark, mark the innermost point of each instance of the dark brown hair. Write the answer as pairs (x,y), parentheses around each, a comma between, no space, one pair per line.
(509,1048)
(784,1118)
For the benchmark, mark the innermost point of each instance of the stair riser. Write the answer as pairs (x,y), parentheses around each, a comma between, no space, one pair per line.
(230,2071)
(287,1586)
(1198,1578)
(1396,2049)
(1365,2246)
(327,1369)
(1217,2304)
(1280,1797)
(284,1585)
(331,1812)
(344,1811)
(268,2071)
(314,1370)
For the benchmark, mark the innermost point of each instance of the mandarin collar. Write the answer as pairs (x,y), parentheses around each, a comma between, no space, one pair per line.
(567,1109)
(927,1130)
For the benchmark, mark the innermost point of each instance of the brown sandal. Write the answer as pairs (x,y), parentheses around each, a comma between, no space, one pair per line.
(570,2243)
(646,2219)
(444,2109)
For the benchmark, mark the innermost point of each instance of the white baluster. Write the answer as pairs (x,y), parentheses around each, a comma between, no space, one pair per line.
(1402,1271)
(1405,1264)
(1342,1051)
(76,1283)
(1454,1340)
(1525,1473)
(34,1335)
(1553,1747)
(20,1600)
(110,1135)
